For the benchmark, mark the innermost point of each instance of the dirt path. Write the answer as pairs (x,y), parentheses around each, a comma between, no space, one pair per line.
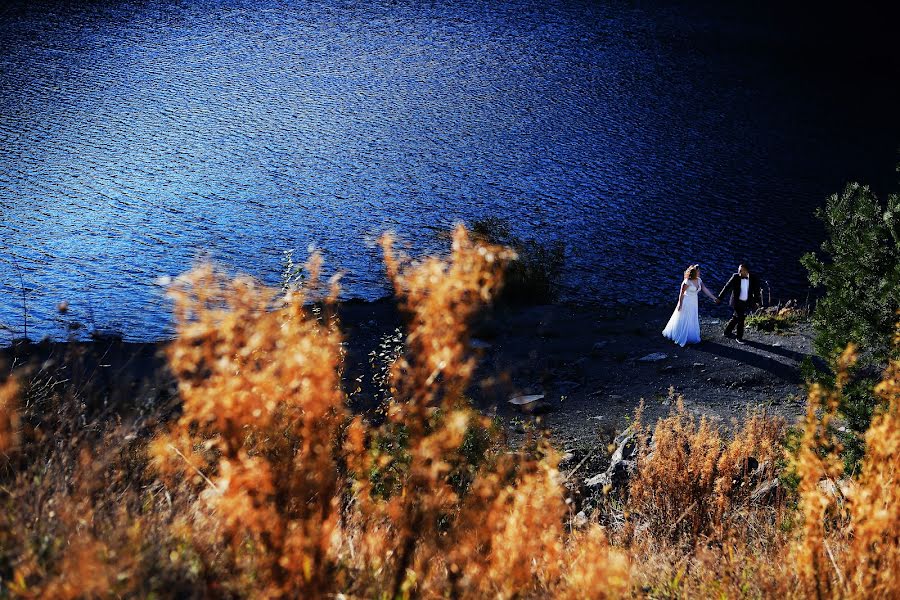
(594,368)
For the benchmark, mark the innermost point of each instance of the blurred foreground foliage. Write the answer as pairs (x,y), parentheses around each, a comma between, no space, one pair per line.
(258,482)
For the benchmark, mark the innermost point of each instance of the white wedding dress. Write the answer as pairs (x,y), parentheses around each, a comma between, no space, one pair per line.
(684,326)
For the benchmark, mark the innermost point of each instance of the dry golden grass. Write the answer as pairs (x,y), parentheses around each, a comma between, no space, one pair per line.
(692,480)
(873,558)
(264,485)
(851,542)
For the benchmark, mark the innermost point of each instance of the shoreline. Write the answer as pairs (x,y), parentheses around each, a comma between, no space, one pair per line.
(590,363)
(352,306)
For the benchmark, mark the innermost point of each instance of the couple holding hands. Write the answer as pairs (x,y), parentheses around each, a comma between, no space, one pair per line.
(684,325)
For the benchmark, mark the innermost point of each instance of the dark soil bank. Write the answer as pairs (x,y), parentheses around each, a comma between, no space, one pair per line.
(593,367)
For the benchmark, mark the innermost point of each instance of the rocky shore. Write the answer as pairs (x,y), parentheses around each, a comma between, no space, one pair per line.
(578,373)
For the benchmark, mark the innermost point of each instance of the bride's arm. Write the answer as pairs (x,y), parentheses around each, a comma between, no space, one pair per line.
(707,292)
(681,294)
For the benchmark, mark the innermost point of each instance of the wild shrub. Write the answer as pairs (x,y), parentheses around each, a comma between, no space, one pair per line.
(778,319)
(873,558)
(290,496)
(431,528)
(851,541)
(80,518)
(535,276)
(691,480)
(9,417)
(262,409)
(859,276)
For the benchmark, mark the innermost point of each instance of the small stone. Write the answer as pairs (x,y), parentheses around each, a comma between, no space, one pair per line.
(654,357)
(581,519)
(522,400)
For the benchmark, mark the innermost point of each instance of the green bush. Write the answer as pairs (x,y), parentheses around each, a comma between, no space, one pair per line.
(859,275)
(534,278)
(777,319)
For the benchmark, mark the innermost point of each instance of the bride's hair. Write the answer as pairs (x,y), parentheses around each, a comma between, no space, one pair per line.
(691,271)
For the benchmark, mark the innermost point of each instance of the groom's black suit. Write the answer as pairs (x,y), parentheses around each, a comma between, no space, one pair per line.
(754,298)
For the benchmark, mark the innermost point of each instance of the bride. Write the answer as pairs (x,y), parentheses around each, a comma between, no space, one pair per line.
(684,326)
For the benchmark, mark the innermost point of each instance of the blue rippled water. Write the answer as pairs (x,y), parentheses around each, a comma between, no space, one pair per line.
(136,136)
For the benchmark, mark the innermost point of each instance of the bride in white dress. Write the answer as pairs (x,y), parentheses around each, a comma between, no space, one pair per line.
(684,326)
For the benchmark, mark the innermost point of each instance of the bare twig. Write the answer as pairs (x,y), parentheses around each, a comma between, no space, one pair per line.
(199,472)
(683,515)
(837,570)
(583,460)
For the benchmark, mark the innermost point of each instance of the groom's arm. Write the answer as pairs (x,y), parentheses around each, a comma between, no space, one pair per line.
(726,288)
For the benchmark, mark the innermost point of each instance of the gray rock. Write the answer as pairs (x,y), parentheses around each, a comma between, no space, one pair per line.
(829,487)
(532,404)
(622,464)
(526,399)
(766,492)
(654,357)
(581,519)
(839,490)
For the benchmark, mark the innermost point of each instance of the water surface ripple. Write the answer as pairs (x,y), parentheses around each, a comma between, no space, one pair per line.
(136,136)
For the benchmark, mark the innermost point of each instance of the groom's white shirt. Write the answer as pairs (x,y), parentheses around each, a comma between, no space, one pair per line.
(745,289)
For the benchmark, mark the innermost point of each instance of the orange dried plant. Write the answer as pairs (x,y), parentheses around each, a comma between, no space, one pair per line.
(692,476)
(872,561)
(818,459)
(262,408)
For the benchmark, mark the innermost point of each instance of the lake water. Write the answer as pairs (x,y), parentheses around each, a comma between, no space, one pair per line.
(137,136)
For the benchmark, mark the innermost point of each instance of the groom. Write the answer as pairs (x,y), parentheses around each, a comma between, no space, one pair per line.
(745,295)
